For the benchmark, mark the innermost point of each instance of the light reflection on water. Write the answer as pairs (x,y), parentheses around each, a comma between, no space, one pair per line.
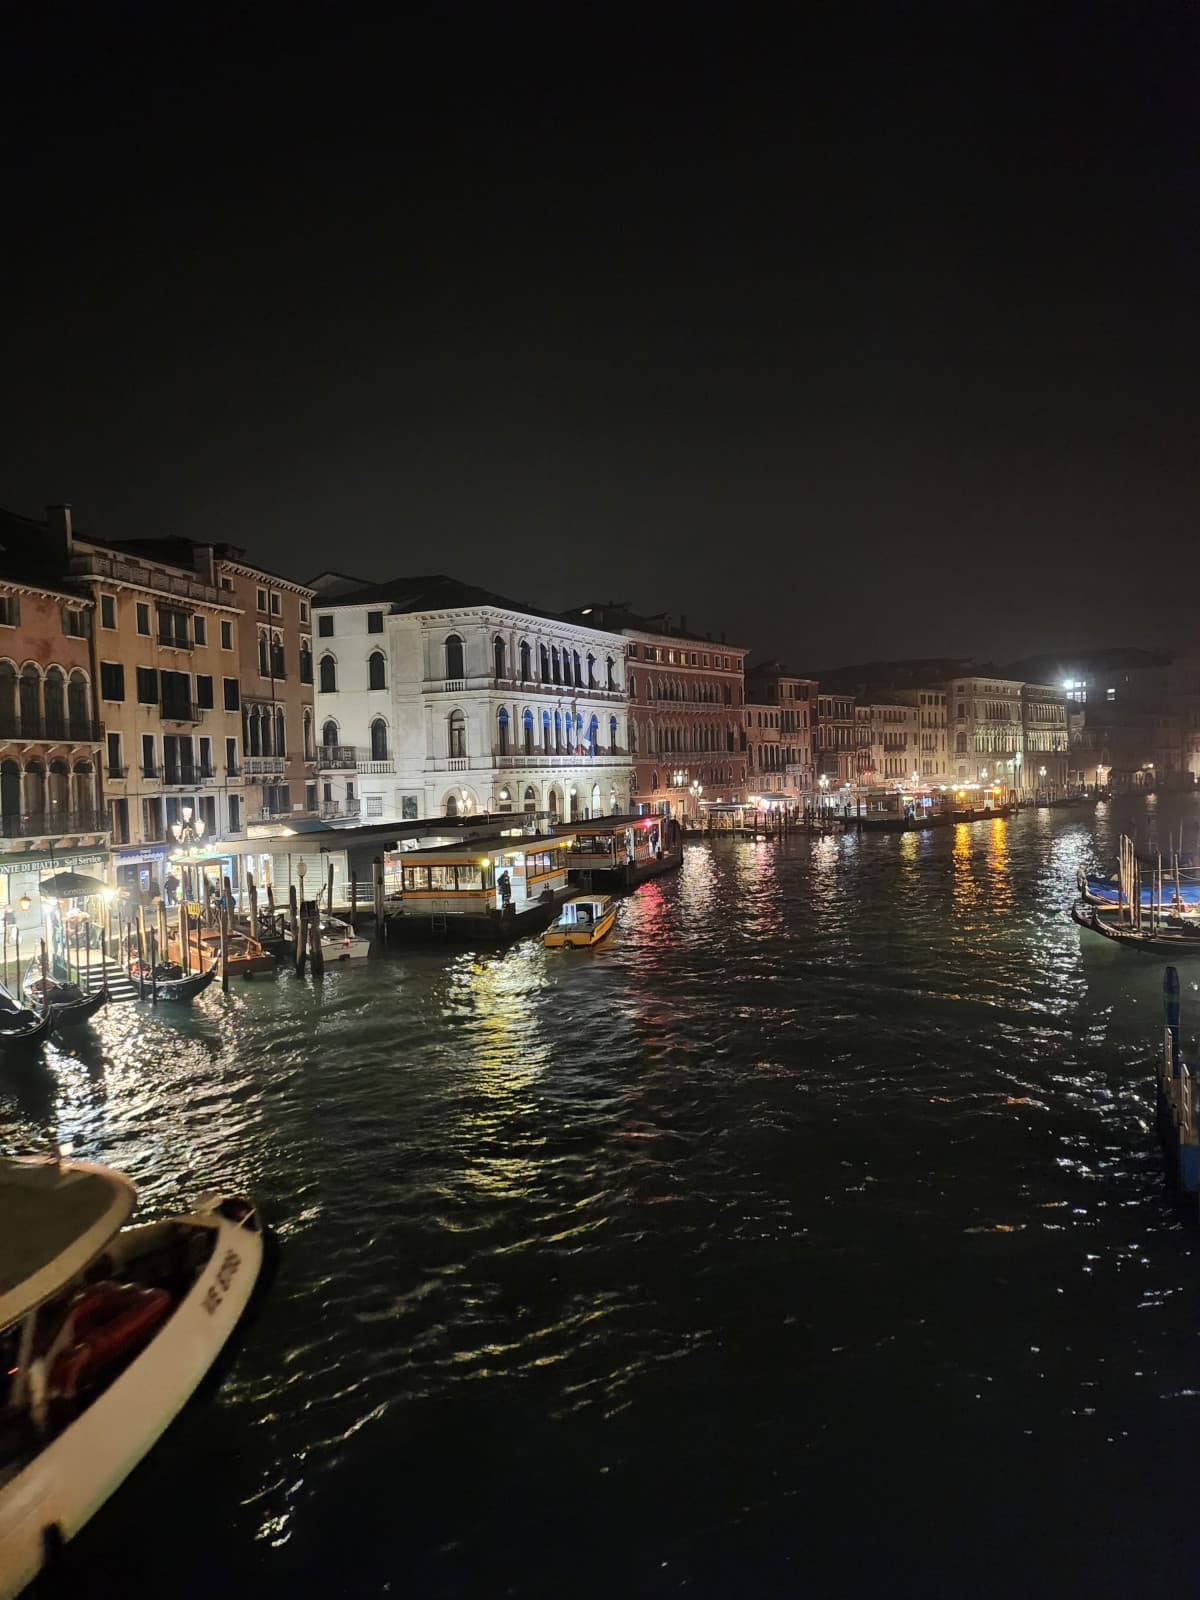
(596,1261)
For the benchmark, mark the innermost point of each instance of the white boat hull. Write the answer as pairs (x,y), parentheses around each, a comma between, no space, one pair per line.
(52,1497)
(352,949)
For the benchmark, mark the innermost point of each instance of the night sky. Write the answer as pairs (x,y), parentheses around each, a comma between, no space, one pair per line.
(872,336)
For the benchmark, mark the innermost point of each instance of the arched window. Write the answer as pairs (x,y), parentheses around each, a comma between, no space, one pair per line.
(31,701)
(960,744)
(593,735)
(553,803)
(612,734)
(612,681)
(10,796)
(633,685)
(545,732)
(633,738)
(555,667)
(530,804)
(56,703)
(280,735)
(451,805)
(308,734)
(379,748)
(8,699)
(35,788)
(578,665)
(305,661)
(458,735)
(498,656)
(79,704)
(264,654)
(504,800)
(545,655)
(328,671)
(596,804)
(654,782)
(454,658)
(329,733)
(57,788)
(85,792)
(591,666)
(557,733)
(527,732)
(524,660)
(502,730)
(376,670)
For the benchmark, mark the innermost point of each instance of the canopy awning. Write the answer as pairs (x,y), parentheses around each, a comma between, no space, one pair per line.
(54,1219)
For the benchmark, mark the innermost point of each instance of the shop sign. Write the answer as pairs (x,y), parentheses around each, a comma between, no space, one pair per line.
(63,861)
(130,858)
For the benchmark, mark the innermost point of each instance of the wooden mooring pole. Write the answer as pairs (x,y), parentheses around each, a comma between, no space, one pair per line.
(315,953)
(377,873)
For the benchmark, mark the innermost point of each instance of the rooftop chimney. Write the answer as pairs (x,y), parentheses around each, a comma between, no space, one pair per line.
(683,622)
(62,543)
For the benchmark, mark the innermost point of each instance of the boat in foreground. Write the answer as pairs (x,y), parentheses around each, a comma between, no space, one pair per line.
(69,1006)
(339,942)
(105,1331)
(584,920)
(1173,936)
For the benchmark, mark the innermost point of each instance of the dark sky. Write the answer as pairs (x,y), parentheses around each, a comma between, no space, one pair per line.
(875,335)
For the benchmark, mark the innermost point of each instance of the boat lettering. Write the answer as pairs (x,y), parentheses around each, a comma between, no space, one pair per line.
(216,1292)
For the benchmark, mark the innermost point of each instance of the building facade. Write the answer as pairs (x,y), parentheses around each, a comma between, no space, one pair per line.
(931,761)
(278,728)
(169,687)
(51,811)
(771,685)
(891,752)
(837,741)
(686,695)
(433,698)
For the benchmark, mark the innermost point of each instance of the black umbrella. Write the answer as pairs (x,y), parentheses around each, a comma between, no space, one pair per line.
(70,886)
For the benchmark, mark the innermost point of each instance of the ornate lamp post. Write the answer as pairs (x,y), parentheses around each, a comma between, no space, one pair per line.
(188,834)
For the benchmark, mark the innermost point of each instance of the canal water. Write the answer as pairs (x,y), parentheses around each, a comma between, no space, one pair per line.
(808,1238)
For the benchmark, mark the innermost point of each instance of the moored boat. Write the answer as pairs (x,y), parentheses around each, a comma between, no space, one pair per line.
(105,1331)
(584,920)
(22,1032)
(69,1006)
(1100,891)
(1173,936)
(339,942)
(169,981)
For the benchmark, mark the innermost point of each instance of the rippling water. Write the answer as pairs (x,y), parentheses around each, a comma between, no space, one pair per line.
(809,1237)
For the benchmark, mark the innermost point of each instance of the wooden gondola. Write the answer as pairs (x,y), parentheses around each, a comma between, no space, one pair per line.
(69,1006)
(22,1032)
(187,988)
(1173,936)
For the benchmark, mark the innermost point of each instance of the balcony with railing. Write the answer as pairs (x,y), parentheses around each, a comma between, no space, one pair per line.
(51,824)
(184,776)
(116,772)
(125,569)
(333,809)
(51,730)
(336,758)
(182,711)
(264,766)
(378,768)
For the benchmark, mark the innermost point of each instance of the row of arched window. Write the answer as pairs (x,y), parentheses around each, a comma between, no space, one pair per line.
(559,733)
(684,738)
(556,664)
(690,691)
(47,703)
(36,797)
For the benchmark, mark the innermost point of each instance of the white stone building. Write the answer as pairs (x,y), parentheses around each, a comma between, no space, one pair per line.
(435,698)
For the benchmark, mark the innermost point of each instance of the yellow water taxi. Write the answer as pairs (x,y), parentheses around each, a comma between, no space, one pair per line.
(583,920)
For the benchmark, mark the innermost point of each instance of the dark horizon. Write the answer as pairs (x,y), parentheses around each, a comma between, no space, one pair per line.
(852,342)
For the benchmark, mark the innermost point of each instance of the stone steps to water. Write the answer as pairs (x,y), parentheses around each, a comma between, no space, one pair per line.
(120,985)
